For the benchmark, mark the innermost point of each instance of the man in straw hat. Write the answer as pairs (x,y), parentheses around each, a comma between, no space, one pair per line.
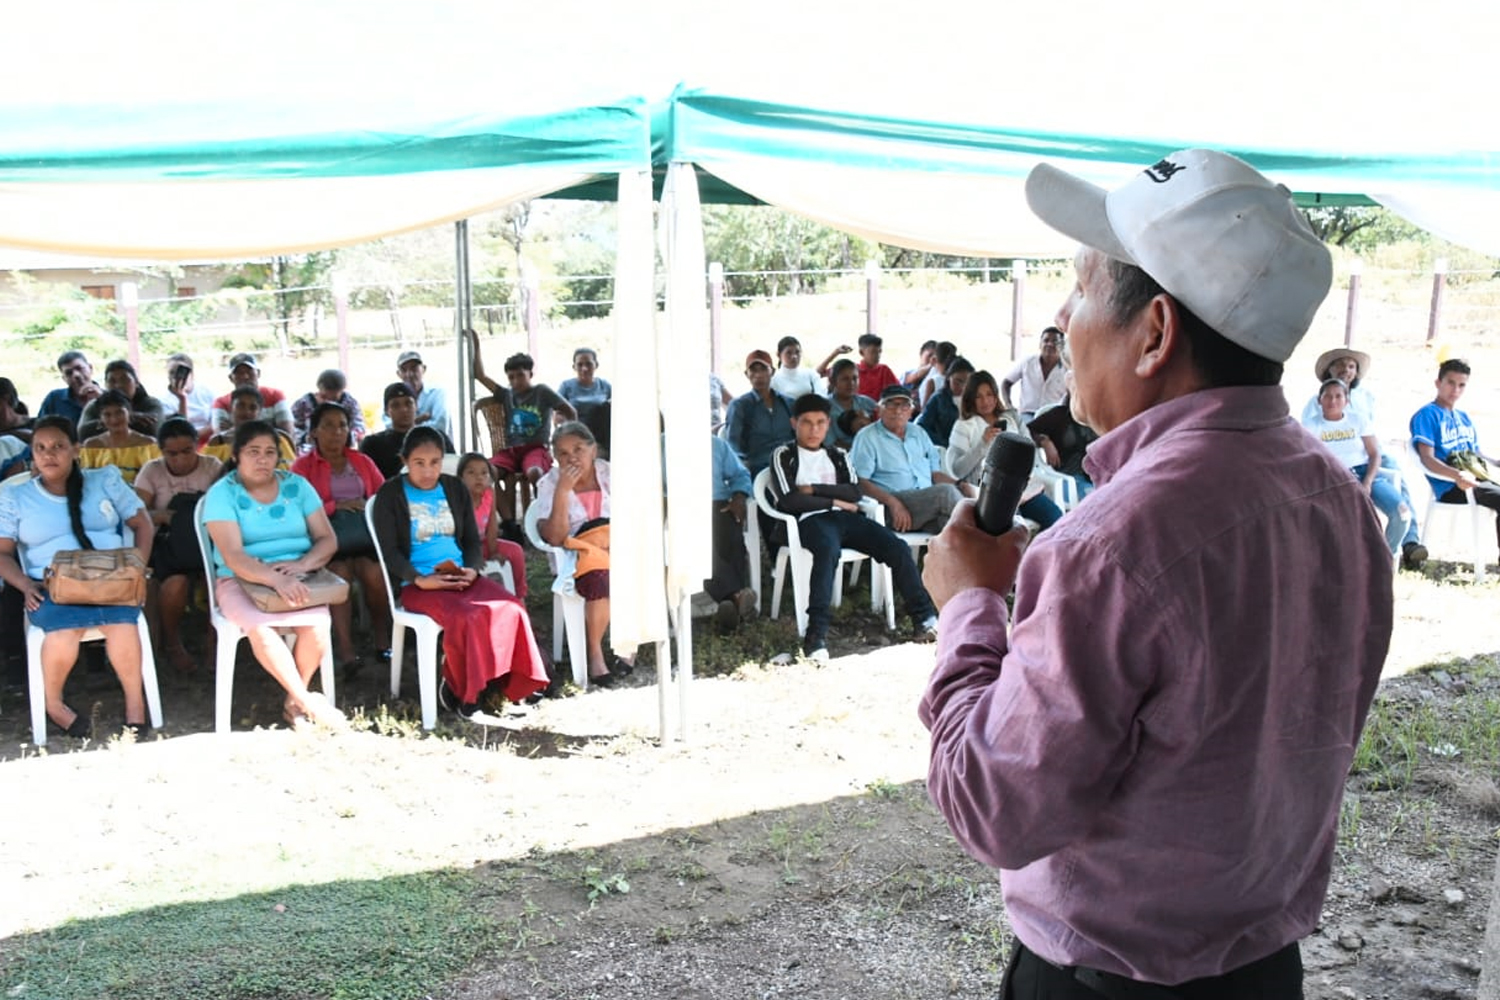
(1154,753)
(1351,367)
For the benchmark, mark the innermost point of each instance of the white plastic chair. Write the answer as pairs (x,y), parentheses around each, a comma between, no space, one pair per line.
(229,635)
(426,631)
(34,637)
(567,607)
(801,565)
(1450,514)
(752,550)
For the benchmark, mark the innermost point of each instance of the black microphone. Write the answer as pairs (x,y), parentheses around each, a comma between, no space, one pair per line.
(1007,469)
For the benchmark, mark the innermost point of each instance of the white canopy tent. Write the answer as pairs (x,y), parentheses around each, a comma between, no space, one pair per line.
(192,132)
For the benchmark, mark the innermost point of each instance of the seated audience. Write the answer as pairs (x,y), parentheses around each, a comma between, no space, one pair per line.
(15,419)
(573,506)
(761,419)
(1041,377)
(478,477)
(401,416)
(790,378)
(937,373)
(434,553)
(195,402)
(146,411)
(730,584)
(845,397)
(119,445)
(331,388)
(245,372)
(268,527)
(1064,442)
(524,458)
(78,390)
(897,464)
(914,376)
(247,407)
(814,481)
(345,481)
(940,411)
(1352,442)
(62,507)
(432,401)
(981,419)
(585,391)
(170,487)
(874,377)
(1351,367)
(1448,445)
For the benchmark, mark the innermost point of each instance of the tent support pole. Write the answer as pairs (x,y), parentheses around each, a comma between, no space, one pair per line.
(463,319)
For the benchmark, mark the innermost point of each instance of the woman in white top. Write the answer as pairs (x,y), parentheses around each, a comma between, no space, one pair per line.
(981,419)
(1349,436)
(791,379)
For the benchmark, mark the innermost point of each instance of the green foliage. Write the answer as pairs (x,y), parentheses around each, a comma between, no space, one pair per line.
(1402,736)
(388,938)
(598,885)
(1360,228)
(756,238)
(284,288)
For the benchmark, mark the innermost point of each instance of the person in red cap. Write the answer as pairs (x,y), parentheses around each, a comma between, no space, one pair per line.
(275,410)
(1154,752)
(761,419)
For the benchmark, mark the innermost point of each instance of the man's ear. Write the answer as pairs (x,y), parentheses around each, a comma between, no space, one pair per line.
(1159,326)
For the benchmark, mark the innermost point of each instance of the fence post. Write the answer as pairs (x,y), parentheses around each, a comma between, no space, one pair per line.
(341,318)
(715,314)
(1017,304)
(531,292)
(130,304)
(872,286)
(1435,313)
(1356,266)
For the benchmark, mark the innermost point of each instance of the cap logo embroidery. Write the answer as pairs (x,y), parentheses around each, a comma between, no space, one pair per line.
(1162,170)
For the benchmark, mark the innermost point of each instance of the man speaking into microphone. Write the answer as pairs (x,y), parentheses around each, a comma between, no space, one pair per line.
(1154,754)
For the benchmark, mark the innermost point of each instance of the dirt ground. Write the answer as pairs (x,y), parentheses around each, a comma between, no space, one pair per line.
(786,848)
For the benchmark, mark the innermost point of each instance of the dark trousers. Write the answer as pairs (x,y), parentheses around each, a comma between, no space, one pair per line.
(1278,976)
(1485,494)
(825,534)
(731,566)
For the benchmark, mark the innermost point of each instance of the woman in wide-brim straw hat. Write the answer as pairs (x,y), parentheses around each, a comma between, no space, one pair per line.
(1350,367)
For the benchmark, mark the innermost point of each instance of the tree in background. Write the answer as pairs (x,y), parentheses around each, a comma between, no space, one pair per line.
(286,289)
(757,238)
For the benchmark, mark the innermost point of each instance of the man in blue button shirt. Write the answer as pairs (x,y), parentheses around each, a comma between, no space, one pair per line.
(761,419)
(730,584)
(898,465)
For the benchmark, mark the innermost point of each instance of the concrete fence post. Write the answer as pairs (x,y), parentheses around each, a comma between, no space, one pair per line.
(1435,312)
(1017,306)
(1356,266)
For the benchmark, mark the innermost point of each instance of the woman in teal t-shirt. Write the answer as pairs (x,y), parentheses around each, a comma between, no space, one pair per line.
(268,527)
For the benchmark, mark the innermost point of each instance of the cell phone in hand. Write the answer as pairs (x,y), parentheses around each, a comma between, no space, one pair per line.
(448,568)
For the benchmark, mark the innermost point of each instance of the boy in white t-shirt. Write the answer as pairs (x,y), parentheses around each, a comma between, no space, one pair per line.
(1351,439)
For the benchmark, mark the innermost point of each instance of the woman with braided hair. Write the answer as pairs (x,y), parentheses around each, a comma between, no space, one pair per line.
(63,506)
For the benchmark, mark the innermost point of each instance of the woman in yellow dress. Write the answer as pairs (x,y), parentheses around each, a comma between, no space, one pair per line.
(120,446)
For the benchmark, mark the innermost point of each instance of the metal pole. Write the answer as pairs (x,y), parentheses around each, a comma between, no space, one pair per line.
(872,288)
(715,314)
(1435,313)
(1352,313)
(463,311)
(1017,306)
(130,303)
(684,662)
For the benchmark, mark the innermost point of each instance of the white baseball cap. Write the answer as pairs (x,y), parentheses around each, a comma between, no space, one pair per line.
(1213,231)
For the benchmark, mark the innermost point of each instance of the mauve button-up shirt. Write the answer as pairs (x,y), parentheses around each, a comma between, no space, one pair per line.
(1155,755)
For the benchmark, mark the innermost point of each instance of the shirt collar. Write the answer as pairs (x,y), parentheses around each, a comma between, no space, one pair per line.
(1238,408)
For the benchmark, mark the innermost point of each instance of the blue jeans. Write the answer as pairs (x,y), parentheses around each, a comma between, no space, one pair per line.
(1398,516)
(1387,462)
(824,535)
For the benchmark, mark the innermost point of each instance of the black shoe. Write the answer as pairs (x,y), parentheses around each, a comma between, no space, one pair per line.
(620,668)
(449,702)
(1413,555)
(140,729)
(80,728)
(603,681)
(727,617)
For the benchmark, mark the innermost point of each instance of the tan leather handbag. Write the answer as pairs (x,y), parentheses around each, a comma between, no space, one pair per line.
(97,576)
(323,587)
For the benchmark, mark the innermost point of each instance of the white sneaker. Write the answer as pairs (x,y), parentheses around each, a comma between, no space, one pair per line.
(928,630)
(819,655)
